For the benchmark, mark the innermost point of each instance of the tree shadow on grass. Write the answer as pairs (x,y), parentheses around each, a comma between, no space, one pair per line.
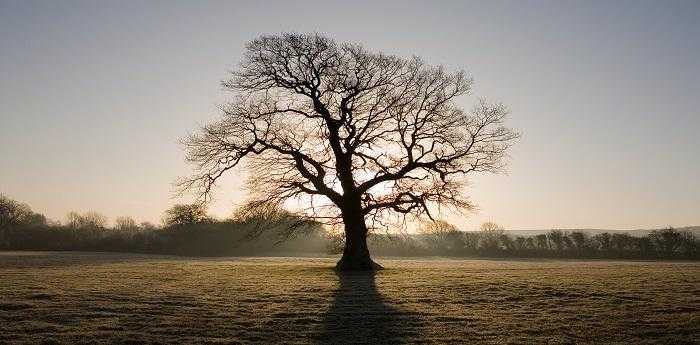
(360,315)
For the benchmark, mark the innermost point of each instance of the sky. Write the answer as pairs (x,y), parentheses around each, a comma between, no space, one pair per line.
(94,96)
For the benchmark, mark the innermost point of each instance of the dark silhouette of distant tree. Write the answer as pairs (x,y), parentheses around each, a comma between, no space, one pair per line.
(622,242)
(507,243)
(127,224)
(667,241)
(13,213)
(542,242)
(520,243)
(689,246)
(491,236)
(358,136)
(645,246)
(603,242)
(579,241)
(556,238)
(471,242)
(87,220)
(189,214)
(442,236)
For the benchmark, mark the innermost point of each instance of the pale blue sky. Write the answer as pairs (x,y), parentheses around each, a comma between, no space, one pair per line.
(94,95)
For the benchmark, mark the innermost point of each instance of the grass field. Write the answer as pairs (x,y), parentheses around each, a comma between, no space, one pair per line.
(74,298)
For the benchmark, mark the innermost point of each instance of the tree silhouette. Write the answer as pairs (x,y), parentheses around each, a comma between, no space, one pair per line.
(180,214)
(667,241)
(12,213)
(357,137)
(87,220)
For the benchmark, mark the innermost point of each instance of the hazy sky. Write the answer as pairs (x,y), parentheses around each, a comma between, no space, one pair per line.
(94,96)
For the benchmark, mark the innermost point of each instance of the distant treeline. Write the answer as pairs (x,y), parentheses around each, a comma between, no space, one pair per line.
(492,241)
(187,230)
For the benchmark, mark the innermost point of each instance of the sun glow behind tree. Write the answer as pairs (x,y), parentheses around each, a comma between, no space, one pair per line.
(360,137)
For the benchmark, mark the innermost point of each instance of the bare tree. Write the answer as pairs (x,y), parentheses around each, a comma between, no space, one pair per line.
(667,241)
(442,237)
(491,234)
(580,240)
(126,224)
(87,220)
(13,212)
(356,137)
(556,238)
(188,214)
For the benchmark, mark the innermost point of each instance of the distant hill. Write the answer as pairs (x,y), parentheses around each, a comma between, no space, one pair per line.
(636,232)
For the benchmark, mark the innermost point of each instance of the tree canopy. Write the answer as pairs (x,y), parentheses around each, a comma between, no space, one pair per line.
(356,136)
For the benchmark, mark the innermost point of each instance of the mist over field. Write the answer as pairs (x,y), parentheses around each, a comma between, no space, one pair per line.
(187,230)
(280,286)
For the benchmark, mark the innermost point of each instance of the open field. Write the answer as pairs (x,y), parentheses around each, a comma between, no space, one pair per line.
(75,298)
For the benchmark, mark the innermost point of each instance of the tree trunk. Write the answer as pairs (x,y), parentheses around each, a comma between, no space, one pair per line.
(356,254)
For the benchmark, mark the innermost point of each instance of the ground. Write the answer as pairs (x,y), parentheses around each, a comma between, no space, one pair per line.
(74,298)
